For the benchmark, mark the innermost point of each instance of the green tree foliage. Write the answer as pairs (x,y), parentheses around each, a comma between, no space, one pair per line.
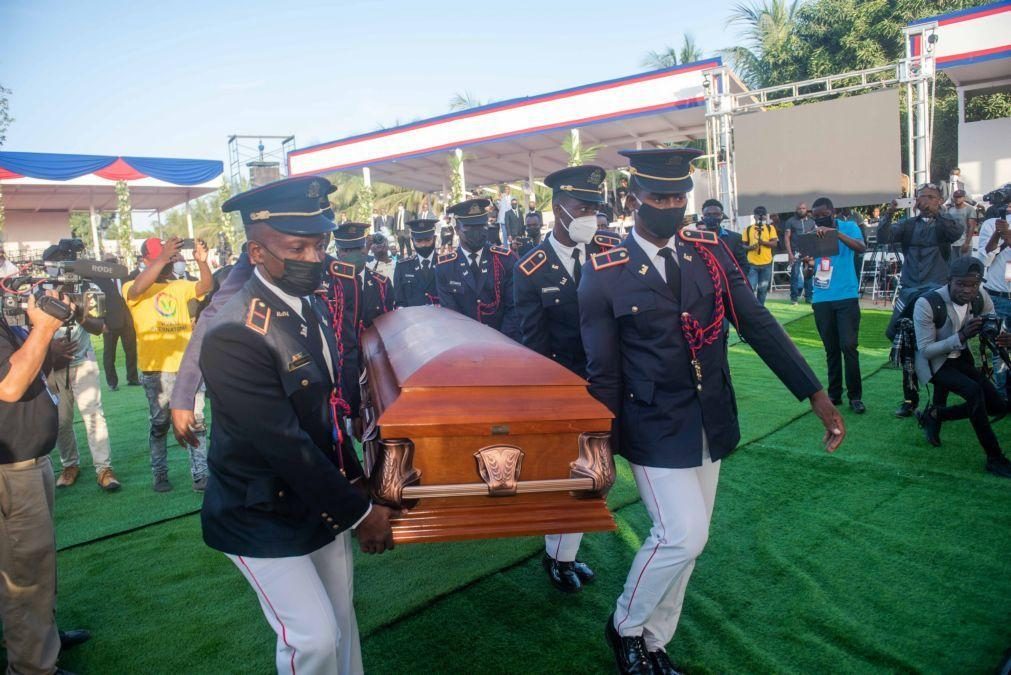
(987,105)
(770,41)
(579,153)
(124,217)
(5,116)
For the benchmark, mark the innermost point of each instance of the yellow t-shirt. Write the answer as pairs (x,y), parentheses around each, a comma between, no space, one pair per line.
(161,317)
(763,255)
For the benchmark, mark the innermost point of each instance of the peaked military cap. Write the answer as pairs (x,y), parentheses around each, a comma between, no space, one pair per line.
(662,170)
(350,235)
(579,182)
(422,228)
(471,212)
(293,206)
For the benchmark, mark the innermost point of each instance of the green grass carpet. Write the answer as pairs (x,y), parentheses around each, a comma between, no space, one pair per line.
(887,556)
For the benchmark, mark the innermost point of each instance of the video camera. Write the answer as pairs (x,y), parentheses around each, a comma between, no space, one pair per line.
(999,199)
(58,270)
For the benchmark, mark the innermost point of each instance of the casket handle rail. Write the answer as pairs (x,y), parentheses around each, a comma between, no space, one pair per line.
(394,481)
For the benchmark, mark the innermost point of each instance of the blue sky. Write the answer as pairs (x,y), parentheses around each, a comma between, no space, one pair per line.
(175,79)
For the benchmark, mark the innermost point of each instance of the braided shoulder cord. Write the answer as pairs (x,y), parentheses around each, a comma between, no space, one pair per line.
(489,308)
(697,336)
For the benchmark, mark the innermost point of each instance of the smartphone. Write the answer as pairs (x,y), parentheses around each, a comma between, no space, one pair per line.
(187,243)
(906,202)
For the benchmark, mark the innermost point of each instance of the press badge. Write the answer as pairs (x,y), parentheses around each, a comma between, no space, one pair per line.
(1007,271)
(823,277)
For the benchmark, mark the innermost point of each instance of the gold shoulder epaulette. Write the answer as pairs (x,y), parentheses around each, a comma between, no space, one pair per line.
(342,269)
(258,318)
(605,259)
(700,236)
(533,262)
(501,250)
(606,240)
(447,257)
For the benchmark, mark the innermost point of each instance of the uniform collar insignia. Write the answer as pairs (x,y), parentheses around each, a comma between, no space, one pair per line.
(643,270)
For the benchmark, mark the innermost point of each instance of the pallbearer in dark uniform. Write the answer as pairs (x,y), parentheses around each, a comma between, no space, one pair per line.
(652,321)
(281,495)
(545,289)
(414,277)
(354,296)
(477,279)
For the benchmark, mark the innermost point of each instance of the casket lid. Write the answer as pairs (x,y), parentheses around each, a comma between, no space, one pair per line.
(433,367)
(437,347)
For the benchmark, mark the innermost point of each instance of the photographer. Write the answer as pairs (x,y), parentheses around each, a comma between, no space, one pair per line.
(28,424)
(159,303)
(925,241)
(944,359)
(995,251)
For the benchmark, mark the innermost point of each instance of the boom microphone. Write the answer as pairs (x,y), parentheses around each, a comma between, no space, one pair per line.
(93,269)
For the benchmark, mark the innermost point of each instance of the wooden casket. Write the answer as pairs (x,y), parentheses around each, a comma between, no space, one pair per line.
(478,436)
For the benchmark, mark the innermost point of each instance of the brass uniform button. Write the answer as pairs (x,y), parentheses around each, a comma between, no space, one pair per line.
(305,383)
(280,493)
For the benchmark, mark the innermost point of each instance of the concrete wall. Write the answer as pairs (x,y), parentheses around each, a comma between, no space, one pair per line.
(26,232)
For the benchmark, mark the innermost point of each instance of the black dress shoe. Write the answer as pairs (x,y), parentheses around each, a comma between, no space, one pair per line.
(584,572)
(905,410)
(562,575)
(835,401)
(857,406)
(133,383)
(999,466)
(931,425)
(630,653)
(662,663)
(71,638)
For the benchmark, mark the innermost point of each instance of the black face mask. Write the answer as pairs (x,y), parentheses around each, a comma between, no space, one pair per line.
(424,251)
(474,238)
(712,222)
(300,278)
(356,258)
(825,221)
(661,223)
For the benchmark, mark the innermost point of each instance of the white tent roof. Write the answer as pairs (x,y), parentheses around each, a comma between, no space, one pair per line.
(78,194)
(510,140)
(973,45)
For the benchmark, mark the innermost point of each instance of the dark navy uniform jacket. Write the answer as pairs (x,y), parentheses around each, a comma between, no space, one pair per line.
(275,486)
(639,364)
(547,306)
(488,300)
(353,301)
(412,285)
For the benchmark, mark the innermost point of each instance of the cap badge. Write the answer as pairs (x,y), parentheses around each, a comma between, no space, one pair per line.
(313,192)
(475,210)
(597,176)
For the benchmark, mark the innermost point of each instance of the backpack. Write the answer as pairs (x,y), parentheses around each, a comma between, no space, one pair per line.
(938,310)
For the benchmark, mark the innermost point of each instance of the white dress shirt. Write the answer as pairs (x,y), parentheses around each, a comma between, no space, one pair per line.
(565,255)
(996,261)
(466,255)
(652,252)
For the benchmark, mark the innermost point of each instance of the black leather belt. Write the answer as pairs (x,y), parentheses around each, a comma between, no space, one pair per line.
(999,294)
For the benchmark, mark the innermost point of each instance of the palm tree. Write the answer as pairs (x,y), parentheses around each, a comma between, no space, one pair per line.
(464,101)
(768,33)
(669,57)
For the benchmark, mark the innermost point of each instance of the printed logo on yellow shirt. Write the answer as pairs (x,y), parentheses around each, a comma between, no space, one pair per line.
(166,305)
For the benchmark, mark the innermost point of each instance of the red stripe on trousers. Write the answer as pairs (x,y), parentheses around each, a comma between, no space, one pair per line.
(284,631)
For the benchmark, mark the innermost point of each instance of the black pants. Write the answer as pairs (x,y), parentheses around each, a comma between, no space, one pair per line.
(109,340)
(404,243)
(960,376)
(838,323)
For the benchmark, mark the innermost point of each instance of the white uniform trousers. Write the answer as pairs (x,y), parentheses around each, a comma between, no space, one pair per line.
(562,547)
(308,601)
(680,504)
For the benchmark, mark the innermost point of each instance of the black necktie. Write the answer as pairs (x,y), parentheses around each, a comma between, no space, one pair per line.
(474,269)
(313,334)
(577,269)
(672,271)
(425,264)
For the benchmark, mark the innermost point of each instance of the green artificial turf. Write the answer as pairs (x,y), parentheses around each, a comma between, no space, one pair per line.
(888,556)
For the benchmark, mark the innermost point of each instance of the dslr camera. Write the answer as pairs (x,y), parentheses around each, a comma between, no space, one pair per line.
(992,325)
(58,270)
